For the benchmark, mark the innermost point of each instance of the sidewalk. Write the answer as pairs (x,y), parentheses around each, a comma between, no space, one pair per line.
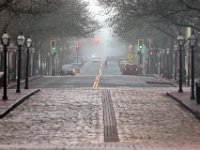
(15,99)
(185,101)
(183,98)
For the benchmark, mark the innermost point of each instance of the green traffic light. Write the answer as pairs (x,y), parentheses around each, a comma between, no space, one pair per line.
(140,46)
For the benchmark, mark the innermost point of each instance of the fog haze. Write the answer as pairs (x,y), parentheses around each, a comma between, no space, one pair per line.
(104,43)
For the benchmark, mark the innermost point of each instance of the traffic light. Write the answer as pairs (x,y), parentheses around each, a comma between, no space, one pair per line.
(130,46)
(53,45)
(97,40)
(77,46)
(140,44)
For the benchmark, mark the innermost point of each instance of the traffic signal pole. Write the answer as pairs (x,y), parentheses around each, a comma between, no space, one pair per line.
(140,58)
(53,52)
(77,56)
(140,48)
(77,49)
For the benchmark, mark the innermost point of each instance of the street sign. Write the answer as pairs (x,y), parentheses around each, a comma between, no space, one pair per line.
(130,57)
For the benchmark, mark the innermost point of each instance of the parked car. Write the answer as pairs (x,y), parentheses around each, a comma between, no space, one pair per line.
(96,59)
(77,67)
(67,69)
(131,69)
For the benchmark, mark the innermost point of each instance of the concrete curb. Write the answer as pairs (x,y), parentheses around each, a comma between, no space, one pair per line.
(161,82)
(17,103)
(195,113)
(22,81)
(147,75)
(169,82)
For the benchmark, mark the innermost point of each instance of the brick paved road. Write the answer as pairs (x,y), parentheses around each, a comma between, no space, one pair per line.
(146,114)
(75,116)
(55,117)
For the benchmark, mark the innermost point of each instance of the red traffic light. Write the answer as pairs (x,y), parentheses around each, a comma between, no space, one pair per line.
(97,40)
(77,46)
(130,46)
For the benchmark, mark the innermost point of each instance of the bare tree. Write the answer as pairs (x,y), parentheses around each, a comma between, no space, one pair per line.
(10,10)
(165,16)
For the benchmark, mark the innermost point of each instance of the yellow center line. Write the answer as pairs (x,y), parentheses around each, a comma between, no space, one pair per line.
(96,82)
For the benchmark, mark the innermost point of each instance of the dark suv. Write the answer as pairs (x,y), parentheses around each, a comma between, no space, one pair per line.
(131,69)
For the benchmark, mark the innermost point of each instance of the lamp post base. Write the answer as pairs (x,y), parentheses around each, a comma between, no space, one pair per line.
(180,91)
(5,97)
(18,91)
(192,97)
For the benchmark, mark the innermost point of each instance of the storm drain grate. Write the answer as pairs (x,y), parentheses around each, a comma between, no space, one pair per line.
(109,120)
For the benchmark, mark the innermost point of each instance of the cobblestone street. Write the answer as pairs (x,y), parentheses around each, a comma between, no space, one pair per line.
(55,117)
(147,115)
(74,116)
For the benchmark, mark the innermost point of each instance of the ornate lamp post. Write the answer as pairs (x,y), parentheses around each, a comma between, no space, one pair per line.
(28,42)
(192,41)
(168,50)
(5,39)
(181,41)
(20,42)
(175,64)
(1,54)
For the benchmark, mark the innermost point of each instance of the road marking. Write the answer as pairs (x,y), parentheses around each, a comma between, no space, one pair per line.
(109,119)
(96,82)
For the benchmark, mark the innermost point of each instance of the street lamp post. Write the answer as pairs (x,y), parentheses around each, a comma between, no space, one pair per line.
(148,61)
(168,63)
(53,64)
(175,64)
(159,54)
(160,60)
(28,42)
(192,41)
(1,54)
(5,39)
(151,68)
(157,60)
(20,42)
(181,41)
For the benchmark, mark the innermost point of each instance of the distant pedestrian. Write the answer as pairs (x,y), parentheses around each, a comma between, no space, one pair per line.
(106,64)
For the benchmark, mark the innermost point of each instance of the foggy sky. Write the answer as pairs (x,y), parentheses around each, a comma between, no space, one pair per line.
(108,45)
